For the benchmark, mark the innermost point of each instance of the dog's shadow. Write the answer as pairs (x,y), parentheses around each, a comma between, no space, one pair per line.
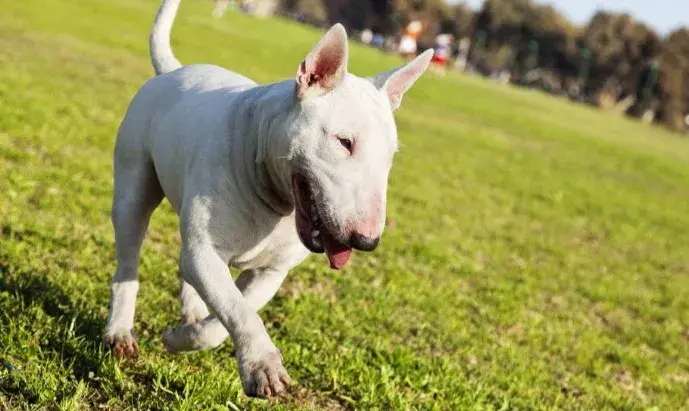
(45,331)
(59,331)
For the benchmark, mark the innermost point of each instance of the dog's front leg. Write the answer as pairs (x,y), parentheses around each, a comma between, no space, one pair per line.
(258,286)
(260,362)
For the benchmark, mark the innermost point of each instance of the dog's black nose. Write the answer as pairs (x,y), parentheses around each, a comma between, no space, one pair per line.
(363,243)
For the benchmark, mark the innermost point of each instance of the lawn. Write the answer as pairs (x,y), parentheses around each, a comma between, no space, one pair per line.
(536,256)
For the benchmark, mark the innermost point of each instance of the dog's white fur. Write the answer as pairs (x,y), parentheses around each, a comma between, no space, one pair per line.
(223,150)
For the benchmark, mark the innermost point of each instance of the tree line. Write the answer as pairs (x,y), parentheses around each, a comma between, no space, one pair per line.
(612,58)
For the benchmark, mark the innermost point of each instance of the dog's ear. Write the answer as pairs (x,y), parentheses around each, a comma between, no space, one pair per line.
(396,82)
(325,66)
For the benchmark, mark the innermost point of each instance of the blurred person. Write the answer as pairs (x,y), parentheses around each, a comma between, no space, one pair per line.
(220,7)
(377,40)
(366,36)
(390,44)
(462,57)
(441,49)
(407,46)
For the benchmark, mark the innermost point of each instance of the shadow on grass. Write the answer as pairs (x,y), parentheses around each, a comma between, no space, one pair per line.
(41,324)
(73,335)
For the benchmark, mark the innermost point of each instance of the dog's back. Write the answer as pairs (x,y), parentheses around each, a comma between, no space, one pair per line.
(189,101)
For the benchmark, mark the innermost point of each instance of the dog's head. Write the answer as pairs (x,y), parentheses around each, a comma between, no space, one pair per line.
(343,141)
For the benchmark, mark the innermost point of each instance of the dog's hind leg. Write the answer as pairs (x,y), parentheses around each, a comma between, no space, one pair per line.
(203,335)
(257,287)
(194,310)
(137,194)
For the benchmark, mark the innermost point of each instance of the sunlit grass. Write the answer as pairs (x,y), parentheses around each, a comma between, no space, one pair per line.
(537,256)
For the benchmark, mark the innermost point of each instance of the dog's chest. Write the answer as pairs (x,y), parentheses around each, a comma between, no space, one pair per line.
(277,247)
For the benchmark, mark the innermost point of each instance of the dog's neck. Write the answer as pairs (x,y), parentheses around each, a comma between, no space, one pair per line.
(266,112)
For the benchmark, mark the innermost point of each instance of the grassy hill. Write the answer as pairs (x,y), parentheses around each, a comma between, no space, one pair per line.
(537,255)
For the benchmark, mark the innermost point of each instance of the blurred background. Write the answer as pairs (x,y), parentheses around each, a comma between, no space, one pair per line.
(628,57)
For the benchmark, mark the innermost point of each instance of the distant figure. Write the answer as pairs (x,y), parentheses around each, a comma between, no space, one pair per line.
(503,77)
(462,53)
(378,40)
(220,7)
(407,46)
(441,48)
(390,45)
(366,36)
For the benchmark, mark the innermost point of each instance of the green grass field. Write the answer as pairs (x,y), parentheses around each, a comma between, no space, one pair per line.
(538,257)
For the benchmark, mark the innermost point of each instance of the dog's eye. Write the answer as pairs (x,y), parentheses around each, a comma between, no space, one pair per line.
(346,143)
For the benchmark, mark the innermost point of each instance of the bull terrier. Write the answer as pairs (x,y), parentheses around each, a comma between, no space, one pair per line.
(259,175)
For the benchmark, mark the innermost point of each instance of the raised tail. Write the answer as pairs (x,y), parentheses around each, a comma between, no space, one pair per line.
(164,61)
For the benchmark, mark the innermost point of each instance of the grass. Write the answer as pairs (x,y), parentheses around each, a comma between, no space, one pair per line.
(536,257)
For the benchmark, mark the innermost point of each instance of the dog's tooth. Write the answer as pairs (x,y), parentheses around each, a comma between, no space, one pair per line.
(315,233)
(314,218)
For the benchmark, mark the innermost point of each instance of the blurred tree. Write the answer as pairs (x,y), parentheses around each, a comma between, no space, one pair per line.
(621,48)
(463,17)
(519,24)
(674,79)
(310,10)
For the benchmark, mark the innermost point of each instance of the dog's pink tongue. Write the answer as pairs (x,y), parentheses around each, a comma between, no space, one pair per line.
(337,253)
(339,258)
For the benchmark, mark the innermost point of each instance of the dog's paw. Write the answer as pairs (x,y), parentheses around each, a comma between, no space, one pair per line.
(266,377)
(121,343)
(173,342)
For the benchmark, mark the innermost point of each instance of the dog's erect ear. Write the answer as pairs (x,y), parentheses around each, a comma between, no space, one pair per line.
(396,82)
(326,65)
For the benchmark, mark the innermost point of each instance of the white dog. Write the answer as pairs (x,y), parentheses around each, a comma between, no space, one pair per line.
(259,176)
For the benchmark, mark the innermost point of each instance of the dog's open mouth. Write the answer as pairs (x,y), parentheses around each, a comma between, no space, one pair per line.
(312,232)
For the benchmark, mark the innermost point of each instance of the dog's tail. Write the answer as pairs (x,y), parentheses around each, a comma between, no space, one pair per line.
(164,61)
